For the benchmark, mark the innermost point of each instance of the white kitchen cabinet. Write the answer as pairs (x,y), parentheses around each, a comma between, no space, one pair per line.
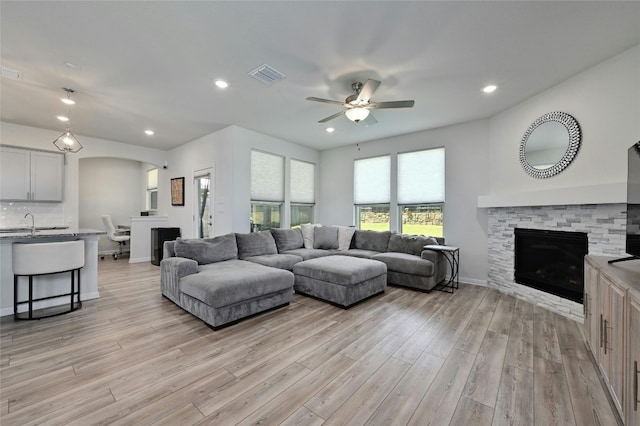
(31,175)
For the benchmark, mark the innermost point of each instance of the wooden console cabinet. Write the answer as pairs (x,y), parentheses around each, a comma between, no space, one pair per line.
(612,329)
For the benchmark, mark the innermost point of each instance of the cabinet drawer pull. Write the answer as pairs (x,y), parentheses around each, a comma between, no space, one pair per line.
(635,385)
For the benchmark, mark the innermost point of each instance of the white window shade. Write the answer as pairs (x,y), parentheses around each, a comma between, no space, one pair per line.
(152,179)
(421,177)
(267,177)
(372,180)
(303,182)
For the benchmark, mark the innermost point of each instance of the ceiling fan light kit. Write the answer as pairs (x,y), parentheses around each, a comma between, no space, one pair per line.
(357,114)
(358,105)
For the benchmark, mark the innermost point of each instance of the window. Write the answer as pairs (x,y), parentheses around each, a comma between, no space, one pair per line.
(372,193)
(267,190)
(421,192)
(152,189)
(300,214)
(265,216)
(302,187)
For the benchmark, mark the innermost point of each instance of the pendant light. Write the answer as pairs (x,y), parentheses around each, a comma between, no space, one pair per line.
(66,142)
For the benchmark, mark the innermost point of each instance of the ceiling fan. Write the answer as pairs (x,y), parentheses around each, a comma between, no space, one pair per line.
(357,106)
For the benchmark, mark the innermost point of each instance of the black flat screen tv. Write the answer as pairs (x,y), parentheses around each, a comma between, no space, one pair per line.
(633,205)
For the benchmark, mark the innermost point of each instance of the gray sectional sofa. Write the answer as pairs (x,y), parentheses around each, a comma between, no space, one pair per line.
(224,279)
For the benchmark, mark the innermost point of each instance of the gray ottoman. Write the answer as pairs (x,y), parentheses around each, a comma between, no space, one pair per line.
(341,280)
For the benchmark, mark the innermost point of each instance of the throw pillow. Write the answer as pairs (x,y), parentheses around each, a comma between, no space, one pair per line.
(256,244)
(325,237)
(307,234)
(208,250)
(288,239)
(345,235)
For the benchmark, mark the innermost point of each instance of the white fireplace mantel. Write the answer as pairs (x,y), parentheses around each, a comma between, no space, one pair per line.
(609,193)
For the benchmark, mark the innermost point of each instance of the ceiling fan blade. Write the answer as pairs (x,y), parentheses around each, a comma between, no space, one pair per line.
(367,91)
(392,104)
(369,121)
(325,101)
(331,117)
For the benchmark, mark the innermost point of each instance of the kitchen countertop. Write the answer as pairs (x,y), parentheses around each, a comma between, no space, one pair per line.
(50,233)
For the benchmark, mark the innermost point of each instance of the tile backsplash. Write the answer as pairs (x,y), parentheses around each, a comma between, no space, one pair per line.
(45,214)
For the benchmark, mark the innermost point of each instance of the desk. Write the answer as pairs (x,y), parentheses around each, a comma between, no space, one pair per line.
(452,254)
(140,242)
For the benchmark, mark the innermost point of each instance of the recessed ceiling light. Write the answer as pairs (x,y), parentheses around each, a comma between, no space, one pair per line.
(73,66)
(330,129)
(221,84)
(68,101)
(63,118)
(149,132)
(490,88)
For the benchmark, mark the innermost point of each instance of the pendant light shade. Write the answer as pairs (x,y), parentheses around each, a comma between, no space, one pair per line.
(357,114)
(66,142)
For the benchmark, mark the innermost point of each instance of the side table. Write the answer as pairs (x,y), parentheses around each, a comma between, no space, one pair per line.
(452,254)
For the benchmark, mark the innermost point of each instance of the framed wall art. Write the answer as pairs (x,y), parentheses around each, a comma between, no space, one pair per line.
(177,191)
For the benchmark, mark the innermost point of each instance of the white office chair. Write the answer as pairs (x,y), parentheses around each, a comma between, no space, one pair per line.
(120,237)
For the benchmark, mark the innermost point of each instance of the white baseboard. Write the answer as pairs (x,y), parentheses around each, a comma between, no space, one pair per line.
(63,300)
(140,259)
(481,283)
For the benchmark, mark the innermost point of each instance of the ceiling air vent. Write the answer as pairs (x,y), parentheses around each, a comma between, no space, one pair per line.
(267,74)
(11,73)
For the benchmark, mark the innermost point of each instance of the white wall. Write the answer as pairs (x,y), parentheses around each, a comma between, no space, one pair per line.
(32,137)
(605,100)
(466,156)
(228,152)
(109,186)
(210,151)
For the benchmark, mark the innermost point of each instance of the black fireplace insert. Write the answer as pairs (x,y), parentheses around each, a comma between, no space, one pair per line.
(551,261)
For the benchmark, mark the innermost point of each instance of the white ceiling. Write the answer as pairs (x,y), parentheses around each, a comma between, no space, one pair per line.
(152,64)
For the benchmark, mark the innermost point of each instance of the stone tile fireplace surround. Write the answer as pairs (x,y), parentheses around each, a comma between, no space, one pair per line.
(604,224)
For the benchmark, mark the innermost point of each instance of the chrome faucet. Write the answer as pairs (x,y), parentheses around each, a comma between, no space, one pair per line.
(33,223)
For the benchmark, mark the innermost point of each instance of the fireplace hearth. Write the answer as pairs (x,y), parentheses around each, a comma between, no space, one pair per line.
(551,261)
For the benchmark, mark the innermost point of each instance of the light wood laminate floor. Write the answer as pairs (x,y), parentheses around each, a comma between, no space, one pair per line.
(132,357)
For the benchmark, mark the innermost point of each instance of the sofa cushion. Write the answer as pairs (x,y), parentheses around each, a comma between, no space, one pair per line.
(280,261)
(325,237)
(307,234)
(365,254)
(255,244)
(345,235)
(411,244)
(307,254)
(371,240)
(406,263)
(287,239)
(224,283)
(210,250)
(342,270)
